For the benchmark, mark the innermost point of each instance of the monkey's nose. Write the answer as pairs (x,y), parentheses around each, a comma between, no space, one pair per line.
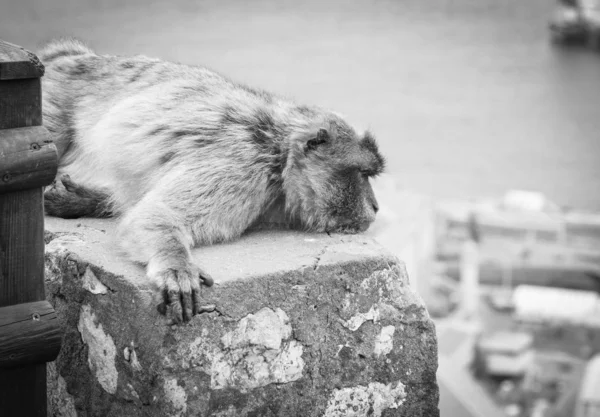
(375,206)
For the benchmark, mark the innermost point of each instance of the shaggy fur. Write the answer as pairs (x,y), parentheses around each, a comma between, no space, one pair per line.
(187,157)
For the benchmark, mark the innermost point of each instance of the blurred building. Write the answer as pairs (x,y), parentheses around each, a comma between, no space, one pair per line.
(506,354)
(524,239)
(522,216)
(469,278)
(588,400)
(555,376)
(556,306)
(553,367)
(537,242)
(461,395)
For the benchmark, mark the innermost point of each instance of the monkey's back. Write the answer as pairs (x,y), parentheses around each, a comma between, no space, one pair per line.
(126,123)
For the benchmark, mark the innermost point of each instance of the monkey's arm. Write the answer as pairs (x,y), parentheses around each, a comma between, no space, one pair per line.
(190,205)
(154,234)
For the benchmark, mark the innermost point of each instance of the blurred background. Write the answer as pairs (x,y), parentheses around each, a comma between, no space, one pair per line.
(491,131)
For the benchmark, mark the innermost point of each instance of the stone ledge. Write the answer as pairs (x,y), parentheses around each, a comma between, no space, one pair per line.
(303,325)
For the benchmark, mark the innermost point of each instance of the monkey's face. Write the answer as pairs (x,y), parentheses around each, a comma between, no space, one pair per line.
(327,180)
(350,204)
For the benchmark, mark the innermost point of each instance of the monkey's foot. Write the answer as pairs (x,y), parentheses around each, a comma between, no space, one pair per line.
(180,290)
(67,199)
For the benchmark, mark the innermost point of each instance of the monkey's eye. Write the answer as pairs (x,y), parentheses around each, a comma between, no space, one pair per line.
(366,173)
(369,172)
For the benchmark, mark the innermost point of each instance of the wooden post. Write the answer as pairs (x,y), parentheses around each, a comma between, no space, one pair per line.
(29,331)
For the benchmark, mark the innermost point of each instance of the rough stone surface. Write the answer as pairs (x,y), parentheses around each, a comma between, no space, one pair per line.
(58,397)
(365,401)
(303,325)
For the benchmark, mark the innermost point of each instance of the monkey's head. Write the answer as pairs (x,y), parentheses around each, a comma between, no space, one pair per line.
(326,177)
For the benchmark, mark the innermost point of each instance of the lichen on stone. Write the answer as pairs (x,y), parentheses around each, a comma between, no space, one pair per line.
(130,356)
(102,351)
(385,341)
(266,328)
(257,353)
(176,396)
(361,401)
(92,284)
(387,283)
(356,321)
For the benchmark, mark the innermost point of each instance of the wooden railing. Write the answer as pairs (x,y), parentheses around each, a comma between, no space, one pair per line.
(30,334)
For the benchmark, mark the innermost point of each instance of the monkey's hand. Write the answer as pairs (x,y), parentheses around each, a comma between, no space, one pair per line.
(180,290)
(153,233)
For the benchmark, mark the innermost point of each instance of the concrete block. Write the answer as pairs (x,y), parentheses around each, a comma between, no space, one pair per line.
(303,325)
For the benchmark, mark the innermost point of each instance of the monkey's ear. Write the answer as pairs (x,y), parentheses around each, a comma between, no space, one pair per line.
(322,137)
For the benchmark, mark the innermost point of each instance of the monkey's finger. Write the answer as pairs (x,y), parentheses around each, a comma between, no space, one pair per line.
(173,291)
(187,305)
(206,279)
(197,306)
(162,301)
(184,279)
(175,309)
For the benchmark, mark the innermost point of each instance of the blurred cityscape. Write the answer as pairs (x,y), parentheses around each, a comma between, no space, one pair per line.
(513,285)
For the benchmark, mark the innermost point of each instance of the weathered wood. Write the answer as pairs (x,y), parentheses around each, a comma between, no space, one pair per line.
(16,62)
(21,247)
(28,158)
(29,333)
(20,103)
(22,390)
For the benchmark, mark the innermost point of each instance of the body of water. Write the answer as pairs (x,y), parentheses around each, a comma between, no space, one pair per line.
(467,97)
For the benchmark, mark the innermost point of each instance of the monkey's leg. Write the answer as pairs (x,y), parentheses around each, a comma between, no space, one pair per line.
(67,199)
(156,235)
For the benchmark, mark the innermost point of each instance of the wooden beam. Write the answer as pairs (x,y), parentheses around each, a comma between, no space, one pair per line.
(21,247)
(28,158)
(29,333)
(20,103)
(17,63)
